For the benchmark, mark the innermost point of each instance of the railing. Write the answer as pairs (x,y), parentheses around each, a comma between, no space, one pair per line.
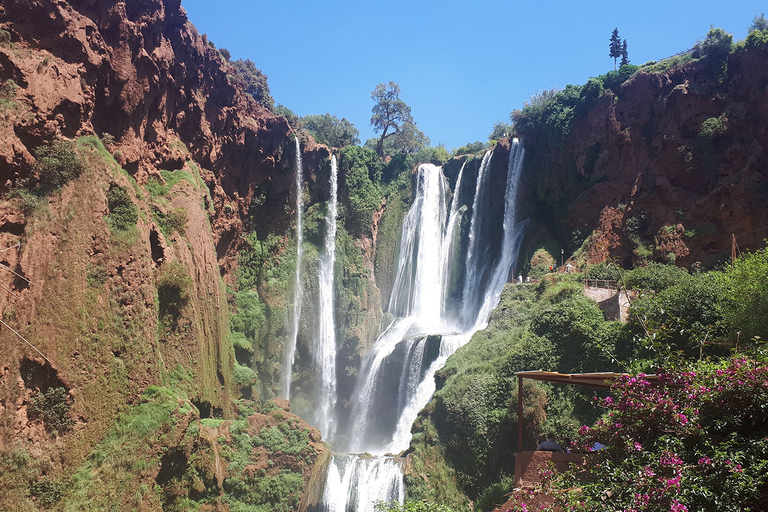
(602,283)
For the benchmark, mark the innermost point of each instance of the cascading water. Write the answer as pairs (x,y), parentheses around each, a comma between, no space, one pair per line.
(325,348)
(397,375)
(290,353)
(474,262)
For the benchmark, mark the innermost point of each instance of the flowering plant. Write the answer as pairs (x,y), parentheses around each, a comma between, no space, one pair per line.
(696,438)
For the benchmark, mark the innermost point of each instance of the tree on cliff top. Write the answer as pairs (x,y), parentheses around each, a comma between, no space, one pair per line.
(758,23)
(615,46)
(254,82)
(389,112)
(624,54)
(330,130)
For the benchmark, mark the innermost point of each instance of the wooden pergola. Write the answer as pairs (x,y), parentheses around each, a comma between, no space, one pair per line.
(595,380)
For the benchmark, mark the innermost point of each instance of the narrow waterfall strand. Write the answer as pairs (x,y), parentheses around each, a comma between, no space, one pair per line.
(290,353)
(325,352)
(470,292)
(513,232)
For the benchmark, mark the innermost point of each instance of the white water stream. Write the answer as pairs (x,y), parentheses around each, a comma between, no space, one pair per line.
(290,353)
(325,347)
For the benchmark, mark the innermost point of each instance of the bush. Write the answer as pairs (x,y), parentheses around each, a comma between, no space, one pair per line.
(605,271)
(717,45)
(254,82)
(123,213)
(494,494)
(47,491)
(51,407)
(654,276)
(244,376)
(745,304)
(175,220)
(412,506)
(57,164)
(683,316)
(361,169)
(173,284)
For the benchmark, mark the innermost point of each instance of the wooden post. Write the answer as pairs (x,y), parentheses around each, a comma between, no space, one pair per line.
(519,414)
(733,249)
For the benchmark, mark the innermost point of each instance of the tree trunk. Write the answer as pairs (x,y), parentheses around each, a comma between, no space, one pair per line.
(380,145)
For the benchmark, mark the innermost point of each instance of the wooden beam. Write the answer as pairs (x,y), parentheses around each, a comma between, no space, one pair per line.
(520,414)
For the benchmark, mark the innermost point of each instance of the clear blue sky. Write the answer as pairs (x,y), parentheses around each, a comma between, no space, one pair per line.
(461,66)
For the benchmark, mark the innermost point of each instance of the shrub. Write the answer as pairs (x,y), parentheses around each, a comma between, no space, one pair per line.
(173,284)
(57,164)
(717,45)
(745,304)
(470,148)
(254,82)
(361,169)
(412,506)
(604,271)
(494,494)
(47,491)
(5,37)
(123,213)
(175,220)
(7,91)
(654,276)
(51,407)
(244,376)
(541,261)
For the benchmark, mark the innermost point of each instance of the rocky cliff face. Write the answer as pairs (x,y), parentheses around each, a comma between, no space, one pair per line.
(115,281)
(665,166)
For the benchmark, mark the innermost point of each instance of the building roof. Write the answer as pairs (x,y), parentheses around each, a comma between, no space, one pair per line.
(597,379)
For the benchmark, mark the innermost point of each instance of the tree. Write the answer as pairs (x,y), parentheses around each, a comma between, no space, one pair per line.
(254,82)
(615,46)
(758,23)
(409,139)
(624,54)
(389,112)
(330,130)
(500,129)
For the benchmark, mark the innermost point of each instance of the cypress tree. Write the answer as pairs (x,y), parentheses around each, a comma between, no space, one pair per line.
(615,46)
(624,54)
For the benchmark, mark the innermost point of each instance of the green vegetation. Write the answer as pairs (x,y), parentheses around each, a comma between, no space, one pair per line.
(52,408)
(123,213)
(8,94)
(331,131)
(160,187)
(173,289)
(692,440)
(392,116)
(618,48)
(500,129)
(464,440)
(57,164)
(413,506)
(362,171)
(253,81)
(174,221)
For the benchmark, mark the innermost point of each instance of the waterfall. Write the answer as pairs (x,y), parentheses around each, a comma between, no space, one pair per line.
(356,484)
(513,233)
(396,378)
(325,347)
(474,262)
(290,353)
